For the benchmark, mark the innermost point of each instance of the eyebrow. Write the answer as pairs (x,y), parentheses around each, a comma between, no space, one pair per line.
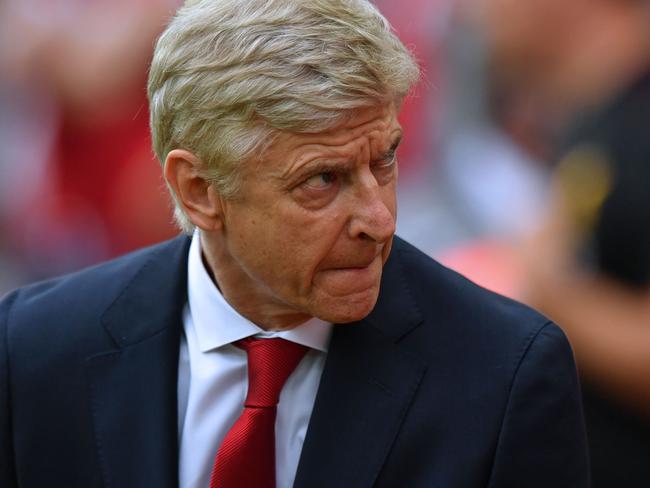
(322,165)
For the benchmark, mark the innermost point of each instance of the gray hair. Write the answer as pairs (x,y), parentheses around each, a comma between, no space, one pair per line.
(227,75)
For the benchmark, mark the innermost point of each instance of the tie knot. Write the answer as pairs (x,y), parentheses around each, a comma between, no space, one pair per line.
(270,363)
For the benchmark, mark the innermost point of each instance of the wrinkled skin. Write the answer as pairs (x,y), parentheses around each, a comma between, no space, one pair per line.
(312,225)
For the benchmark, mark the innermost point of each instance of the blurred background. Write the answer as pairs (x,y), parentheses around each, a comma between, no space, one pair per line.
(526,166)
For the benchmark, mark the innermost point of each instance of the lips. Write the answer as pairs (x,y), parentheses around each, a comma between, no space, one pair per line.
(351,279)
(359,262)
(355,266)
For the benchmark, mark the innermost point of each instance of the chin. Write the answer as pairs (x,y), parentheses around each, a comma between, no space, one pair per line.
(346,310)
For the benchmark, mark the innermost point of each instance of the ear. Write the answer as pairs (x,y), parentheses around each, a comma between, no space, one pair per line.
(195,195)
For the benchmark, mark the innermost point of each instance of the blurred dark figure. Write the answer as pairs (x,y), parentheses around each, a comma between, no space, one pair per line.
(587,66)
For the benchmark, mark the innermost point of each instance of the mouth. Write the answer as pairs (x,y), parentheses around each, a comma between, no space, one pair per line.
(354,278)
(354,267)
(359,262)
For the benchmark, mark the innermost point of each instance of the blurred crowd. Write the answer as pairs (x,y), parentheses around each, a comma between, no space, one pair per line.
(526,166)
(78,183)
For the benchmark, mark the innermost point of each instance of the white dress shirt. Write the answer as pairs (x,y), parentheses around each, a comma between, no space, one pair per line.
(213,381)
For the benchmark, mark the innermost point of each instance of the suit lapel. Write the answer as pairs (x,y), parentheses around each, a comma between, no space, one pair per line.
(133,386)
(365,392)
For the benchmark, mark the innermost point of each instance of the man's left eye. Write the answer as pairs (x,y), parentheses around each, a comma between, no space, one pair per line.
(390,160)
(321,180)
(386,166)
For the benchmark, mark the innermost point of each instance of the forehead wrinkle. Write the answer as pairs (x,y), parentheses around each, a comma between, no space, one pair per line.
(339,135)
(365,150)
(358,149)
(316,152)
(366,142)
(339,142)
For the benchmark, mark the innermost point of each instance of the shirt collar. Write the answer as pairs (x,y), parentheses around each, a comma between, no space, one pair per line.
(217,323)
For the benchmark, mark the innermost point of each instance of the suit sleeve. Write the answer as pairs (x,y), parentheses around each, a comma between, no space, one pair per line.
(543,441)
(7,470)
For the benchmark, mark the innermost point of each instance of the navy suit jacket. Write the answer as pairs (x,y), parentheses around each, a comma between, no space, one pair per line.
(444,384)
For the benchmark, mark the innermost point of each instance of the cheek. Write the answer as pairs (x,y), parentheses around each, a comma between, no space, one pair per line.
(392,198)
(311,242)
(294,247)
(389,198)
(252,240)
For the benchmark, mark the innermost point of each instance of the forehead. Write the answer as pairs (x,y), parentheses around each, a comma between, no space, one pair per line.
(369,131)
(372,122)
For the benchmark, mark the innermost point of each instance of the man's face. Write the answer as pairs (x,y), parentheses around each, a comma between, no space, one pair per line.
(313,224)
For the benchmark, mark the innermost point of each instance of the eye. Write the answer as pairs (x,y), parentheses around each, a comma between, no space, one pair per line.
(321,180)
(384,169)
(390,160)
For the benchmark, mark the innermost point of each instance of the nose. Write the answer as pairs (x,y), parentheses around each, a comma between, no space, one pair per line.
(373,212)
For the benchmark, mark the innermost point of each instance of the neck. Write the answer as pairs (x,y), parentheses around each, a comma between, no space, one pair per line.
(249,297)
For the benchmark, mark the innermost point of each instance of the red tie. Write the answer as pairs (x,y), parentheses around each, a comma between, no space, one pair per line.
(246,459)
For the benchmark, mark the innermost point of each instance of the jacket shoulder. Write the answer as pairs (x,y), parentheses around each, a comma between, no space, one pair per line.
(442,293)
(467,330)
(72,305)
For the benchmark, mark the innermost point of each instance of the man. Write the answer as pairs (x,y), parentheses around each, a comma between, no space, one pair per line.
(276,122)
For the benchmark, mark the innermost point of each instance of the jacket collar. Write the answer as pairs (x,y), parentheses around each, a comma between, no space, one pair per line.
(133,386)
(366,389)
